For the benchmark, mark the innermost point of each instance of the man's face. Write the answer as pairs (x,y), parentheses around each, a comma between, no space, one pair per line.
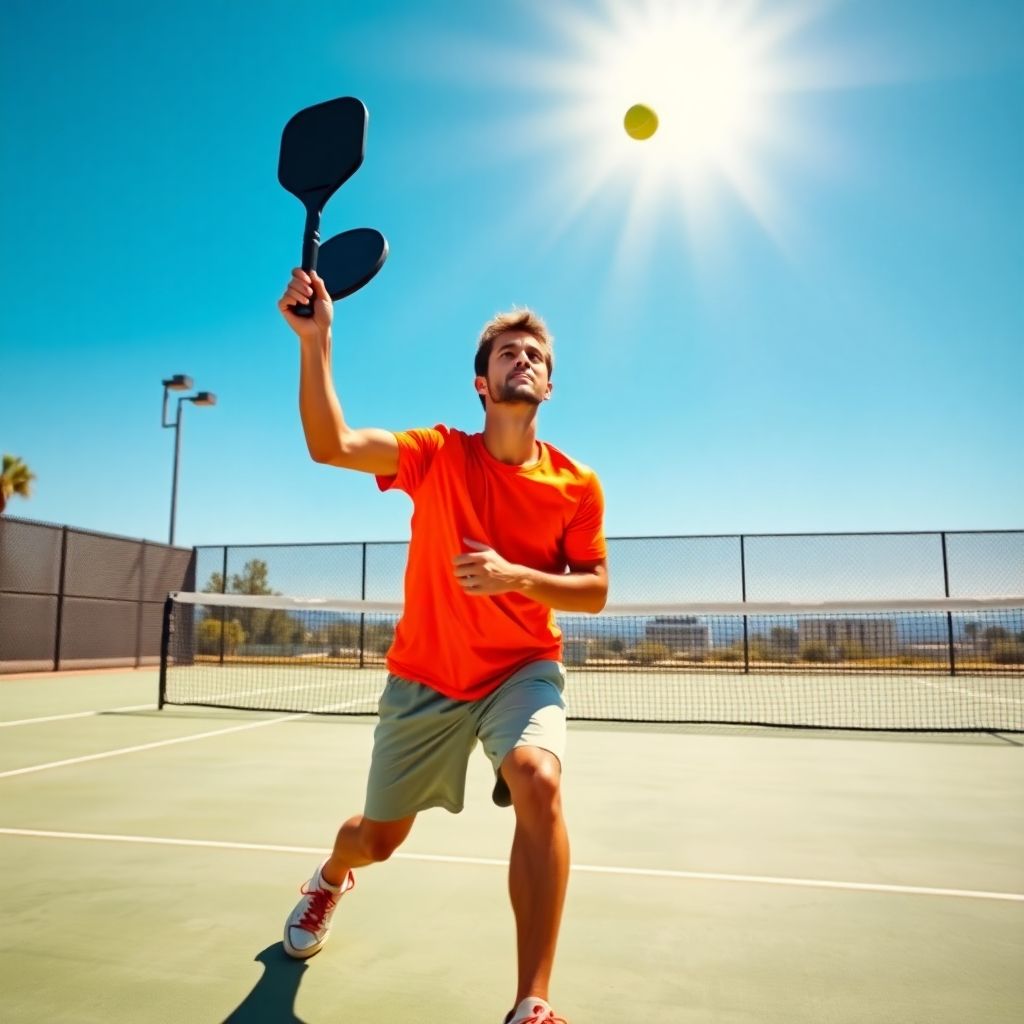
(517,370)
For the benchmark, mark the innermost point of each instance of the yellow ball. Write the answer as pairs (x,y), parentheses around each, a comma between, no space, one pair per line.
(641,122)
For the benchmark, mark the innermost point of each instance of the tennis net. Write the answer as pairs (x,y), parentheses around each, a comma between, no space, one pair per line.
(895,665)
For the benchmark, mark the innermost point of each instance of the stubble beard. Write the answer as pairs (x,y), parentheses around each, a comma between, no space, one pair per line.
(514,391)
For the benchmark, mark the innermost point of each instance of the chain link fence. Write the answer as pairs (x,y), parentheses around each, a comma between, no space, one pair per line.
(73,598)
(751,567)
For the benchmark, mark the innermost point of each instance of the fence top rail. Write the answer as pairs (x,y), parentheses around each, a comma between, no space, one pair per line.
(661,536)
(87,532)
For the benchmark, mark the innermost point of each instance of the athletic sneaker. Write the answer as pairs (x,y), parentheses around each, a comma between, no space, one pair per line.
(307,928)
(533,1011)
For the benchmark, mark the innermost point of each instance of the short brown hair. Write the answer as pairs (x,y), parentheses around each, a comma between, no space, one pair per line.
(514,320)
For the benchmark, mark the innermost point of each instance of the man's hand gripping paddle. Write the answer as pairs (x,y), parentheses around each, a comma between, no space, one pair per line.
(321,148)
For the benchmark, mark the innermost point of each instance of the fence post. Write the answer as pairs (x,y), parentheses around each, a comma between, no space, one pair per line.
(223,590)
(949,615)
(138,610)
(60,597)
(362,615)
(743,593)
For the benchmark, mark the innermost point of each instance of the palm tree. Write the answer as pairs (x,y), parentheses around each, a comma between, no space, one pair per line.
(16,478)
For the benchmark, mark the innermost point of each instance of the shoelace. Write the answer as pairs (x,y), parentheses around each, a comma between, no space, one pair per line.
(321,902)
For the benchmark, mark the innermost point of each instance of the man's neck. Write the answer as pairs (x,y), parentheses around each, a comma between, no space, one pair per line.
(512,439)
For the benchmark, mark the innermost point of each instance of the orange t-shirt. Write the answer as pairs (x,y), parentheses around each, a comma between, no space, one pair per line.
(544,515)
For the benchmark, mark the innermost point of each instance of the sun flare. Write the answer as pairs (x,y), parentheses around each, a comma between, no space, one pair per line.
(700,77)
(716,73)
(728,82)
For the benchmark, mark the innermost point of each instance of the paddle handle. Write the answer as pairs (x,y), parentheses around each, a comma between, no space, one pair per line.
(310,251)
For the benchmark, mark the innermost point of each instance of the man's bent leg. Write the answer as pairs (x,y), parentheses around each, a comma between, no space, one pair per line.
(539,864)
(362,841)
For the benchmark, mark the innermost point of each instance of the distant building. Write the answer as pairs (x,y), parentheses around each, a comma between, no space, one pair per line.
(868,636)
(681,634)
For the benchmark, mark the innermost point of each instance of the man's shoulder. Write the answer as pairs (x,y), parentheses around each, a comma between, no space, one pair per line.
(565,463)
(439,433)
(448,433)
(432,441)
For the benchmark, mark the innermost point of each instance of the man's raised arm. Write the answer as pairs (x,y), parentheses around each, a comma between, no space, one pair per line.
(328,437)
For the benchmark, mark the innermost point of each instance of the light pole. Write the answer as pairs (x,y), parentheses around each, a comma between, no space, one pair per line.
(180,382)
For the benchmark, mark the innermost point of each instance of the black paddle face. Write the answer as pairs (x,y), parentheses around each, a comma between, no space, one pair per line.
(350,260)
(321,148)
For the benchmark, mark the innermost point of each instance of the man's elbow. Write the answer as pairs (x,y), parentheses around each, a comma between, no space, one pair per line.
(598,600)
(324,455)
(328,451)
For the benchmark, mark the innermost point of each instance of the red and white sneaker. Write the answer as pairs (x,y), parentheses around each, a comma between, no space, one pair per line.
(533,1011)
(307,928)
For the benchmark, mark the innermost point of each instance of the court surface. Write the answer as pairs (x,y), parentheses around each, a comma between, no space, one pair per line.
(721,874)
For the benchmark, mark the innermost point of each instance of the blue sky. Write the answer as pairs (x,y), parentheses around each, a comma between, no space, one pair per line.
(821,329)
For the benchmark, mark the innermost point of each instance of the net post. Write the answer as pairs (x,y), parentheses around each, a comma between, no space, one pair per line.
(949,615)
(165,647)
(743,593)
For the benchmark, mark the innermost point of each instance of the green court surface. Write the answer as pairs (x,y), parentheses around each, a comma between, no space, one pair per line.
(721,874)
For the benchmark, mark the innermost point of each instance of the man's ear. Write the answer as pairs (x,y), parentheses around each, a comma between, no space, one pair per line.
(551,388)
(480,384)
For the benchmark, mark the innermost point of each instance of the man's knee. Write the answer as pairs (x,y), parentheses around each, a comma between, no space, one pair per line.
(534,778)
(380,839)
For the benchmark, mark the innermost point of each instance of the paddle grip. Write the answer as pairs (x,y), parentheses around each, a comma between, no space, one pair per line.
(310,250)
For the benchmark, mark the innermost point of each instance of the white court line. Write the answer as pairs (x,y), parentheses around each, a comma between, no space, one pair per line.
(78,714)
(594,869)
(987,698)
(161,743)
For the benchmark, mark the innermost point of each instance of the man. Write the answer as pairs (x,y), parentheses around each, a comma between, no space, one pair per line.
(505,529)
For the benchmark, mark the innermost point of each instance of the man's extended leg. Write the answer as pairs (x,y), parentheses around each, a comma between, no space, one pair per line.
(539,864)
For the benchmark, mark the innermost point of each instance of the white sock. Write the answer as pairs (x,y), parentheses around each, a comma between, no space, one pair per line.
(323,883)
(530,1007)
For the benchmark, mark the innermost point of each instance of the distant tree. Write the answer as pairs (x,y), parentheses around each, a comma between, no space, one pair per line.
(215,584)
(814,651)
(996,633)
(15,479)
(1008,652)
(379,636)
(339,637)
(260,625)
(253,579)
(211,631)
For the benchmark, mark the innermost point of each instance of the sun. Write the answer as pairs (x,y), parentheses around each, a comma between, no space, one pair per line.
(718,74)
(736,87)
(697,71)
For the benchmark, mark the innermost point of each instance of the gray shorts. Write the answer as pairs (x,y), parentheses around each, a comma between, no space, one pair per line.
(423,739)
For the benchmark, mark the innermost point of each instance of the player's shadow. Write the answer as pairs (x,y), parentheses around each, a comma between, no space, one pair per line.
(272,1000)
